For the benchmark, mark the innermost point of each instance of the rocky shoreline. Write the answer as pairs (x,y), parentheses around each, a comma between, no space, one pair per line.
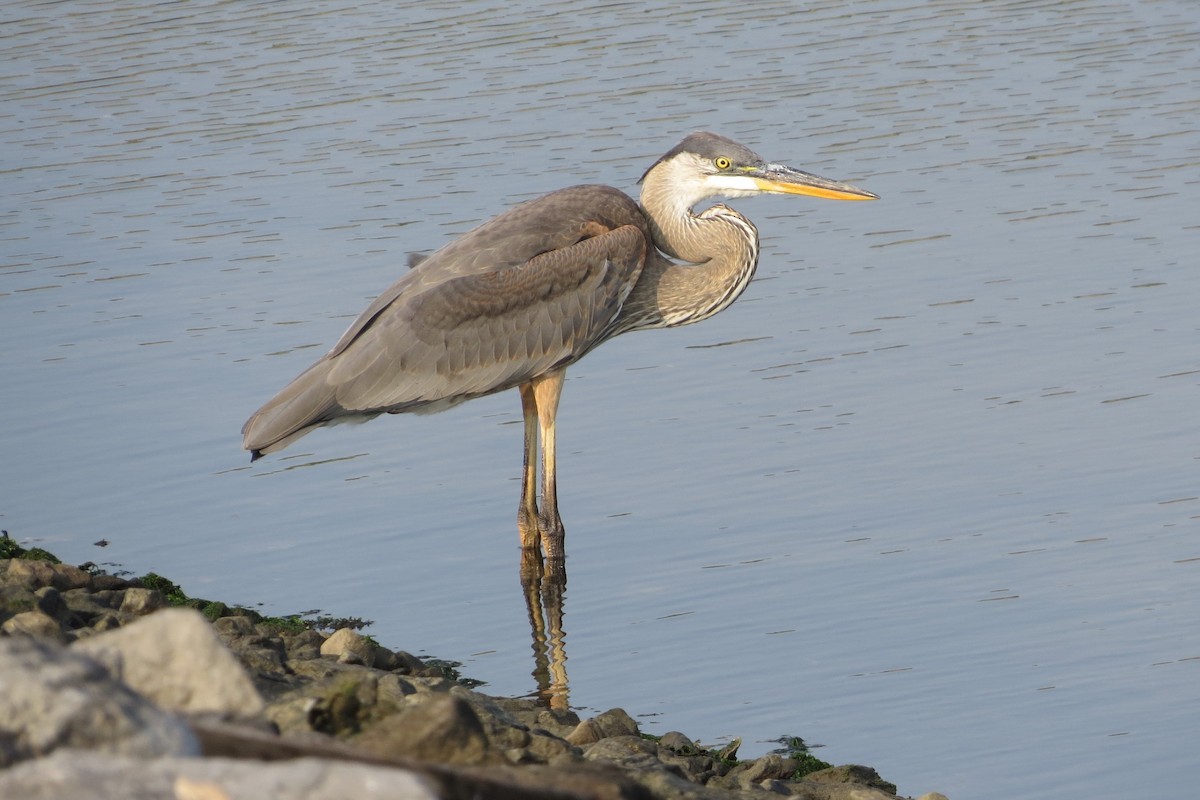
(115,687)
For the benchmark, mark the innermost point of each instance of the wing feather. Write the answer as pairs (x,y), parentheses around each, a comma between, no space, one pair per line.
(479,334)
(532,290)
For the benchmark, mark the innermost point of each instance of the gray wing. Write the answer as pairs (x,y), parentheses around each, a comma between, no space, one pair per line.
(530,291)
(478,334)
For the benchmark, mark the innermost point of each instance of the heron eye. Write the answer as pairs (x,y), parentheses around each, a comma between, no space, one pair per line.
(721,162)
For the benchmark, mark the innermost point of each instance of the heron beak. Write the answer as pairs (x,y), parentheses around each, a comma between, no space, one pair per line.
(780,179)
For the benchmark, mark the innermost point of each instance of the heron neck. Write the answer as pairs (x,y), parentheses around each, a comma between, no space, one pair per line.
(719,248)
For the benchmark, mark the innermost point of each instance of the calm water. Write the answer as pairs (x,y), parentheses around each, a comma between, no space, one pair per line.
(929,494)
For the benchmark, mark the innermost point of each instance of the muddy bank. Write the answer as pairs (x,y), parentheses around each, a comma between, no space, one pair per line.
(119,687)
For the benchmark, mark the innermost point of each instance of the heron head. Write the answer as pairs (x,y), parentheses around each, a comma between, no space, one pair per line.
(708,165)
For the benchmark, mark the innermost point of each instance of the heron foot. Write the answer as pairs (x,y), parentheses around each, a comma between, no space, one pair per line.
(529,529)
(553,539)
(541,533)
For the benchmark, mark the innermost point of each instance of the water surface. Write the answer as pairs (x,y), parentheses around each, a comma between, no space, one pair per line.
(927,494)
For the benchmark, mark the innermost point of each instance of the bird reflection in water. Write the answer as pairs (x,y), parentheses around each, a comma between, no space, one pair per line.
(544,586)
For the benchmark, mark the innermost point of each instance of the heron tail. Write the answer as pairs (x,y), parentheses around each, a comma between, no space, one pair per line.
(306,403)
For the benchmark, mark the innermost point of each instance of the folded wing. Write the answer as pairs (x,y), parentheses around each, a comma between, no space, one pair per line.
(530,291)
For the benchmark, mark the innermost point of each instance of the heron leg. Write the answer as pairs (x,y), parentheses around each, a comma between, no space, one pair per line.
(527,512)
(546,392)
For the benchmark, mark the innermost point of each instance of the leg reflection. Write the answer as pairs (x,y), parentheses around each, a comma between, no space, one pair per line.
(544,585)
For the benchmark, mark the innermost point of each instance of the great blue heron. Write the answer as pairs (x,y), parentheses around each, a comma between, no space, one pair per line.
(517,300)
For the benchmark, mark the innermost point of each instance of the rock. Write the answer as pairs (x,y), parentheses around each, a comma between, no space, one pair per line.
(81,774)
(677,742)
(441,730)
(614,722)
(303,645)
(546,748)
(663,784)
(292,714)
(139,601)
(769,767)
(350,647)
(174,658)
(852,773)
(259,651)
(15,599)
(52,697)
(234,627)
(519,728)
(35,574)
(83,605)
(109,598)
(34,623)
(521,712)
(105,581)
(632,752)
(698,769)
(816,790)
(323,668)
(394,690)
(102,623)
(50,600)
(696,765)
(335,705)
(408,663)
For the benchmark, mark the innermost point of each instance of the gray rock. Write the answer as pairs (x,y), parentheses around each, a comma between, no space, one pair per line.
(852,774)
(488,782)
(769,767)
(109,598)
(259,652)
(51,601)
(305,644)
(139,601)
(102,623)
(396,661)
(52,697)
(440,730)
(323,668)
(70,776)
(614,722)
(395,690)
(35,574)
(522,713)
(546,748)
(174,658)
(816,790)
(82,605)
(408,663)
(15,598)
(33,623)
(349,647)
(630,752)
(234,627)
(700,768)
(338,699)
(679,743)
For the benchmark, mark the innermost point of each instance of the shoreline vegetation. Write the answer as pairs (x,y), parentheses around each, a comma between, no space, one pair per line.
(127,687)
